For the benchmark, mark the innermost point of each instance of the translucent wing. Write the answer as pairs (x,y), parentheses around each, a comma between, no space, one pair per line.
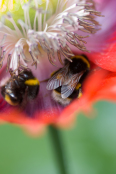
(58,78)
(67,90)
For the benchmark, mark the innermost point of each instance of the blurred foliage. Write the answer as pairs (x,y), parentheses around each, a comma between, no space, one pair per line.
(90,147)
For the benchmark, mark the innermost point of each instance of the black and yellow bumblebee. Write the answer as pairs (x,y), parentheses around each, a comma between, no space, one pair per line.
(66,82)
(20,86)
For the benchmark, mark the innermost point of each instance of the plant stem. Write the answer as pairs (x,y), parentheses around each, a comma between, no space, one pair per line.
(58,148)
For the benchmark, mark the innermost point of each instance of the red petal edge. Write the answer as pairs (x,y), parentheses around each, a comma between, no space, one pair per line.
(100,84)
(107,58)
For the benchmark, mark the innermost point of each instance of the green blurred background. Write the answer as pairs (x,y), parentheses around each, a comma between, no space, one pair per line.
(90,147)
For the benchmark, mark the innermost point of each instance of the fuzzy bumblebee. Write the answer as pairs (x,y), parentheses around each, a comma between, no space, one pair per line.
(21,86)
(66,82)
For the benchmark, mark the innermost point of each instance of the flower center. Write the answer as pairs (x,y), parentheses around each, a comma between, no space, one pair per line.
(52,36)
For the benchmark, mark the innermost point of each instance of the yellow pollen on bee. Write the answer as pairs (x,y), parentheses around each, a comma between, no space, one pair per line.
(59,76)
(80,95)
(32,82)
(78,86)
(8,100)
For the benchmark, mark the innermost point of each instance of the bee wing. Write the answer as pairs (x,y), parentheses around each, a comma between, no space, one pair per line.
(57,79)
(67,90)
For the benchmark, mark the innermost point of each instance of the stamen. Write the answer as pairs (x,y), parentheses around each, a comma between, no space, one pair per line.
(34,51)
(34,61)
(53,36)
(63,53)
(50,59)
(8,62)
(9,17)
(3,39)
(23,26)
(21,52)
(97,13)
(47,3)
(2,57)
(59,57)
(86,5)
(18,61)
(26,13)
(54,44)
(58,3)
(2,52)
(2,20)
(38,17)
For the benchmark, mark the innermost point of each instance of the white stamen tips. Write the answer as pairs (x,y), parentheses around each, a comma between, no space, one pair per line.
(51,34)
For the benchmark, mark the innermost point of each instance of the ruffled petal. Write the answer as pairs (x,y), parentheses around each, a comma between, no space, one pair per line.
(100,84)
(107,90)
(105,59)
(34,124)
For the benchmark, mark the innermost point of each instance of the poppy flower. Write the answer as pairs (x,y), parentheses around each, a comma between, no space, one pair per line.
(42,43)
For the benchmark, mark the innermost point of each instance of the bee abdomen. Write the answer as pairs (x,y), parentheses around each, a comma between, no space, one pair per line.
(13,97)
(33,87)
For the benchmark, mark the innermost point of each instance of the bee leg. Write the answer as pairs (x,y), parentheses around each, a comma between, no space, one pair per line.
(12,73)
(22,68)
(25,99)
(34,63)
(46,80)
(2,58)
(8,62)
(18,67)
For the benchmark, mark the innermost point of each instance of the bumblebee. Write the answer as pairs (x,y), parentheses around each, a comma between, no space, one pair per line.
(56,95)
(66,82)
(20,86)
